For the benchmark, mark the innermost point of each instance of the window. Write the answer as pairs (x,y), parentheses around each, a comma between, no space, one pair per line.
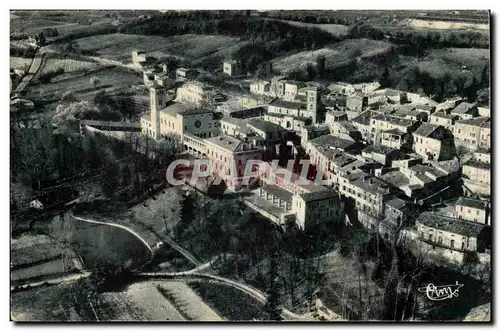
(452,243)
(430,236)
(463,245)
(440,240)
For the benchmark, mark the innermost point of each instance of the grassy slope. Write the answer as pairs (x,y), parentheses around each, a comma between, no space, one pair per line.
(335,54)
(119,46)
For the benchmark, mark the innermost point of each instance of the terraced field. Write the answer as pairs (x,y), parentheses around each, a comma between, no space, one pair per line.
(155,301)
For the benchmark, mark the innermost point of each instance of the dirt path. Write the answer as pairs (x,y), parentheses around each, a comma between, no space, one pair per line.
(33,70)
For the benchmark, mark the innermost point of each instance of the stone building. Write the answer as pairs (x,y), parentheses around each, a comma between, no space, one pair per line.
(472,210)
(473,134)
(451,233)
(232,67)
(433,142)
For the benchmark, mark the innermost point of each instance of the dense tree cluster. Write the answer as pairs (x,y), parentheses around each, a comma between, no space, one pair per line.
(417,42)
(275,37)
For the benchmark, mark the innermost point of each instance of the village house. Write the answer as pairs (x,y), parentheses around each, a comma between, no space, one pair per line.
(392,131)
(447,105)
(419,181)
(370,195)
(322,149)
(334,116)
(477,178)
(363,124)
(304,210)
(357,102)
(287,198)
(138,57)
(411,113)
(184,74)
(399,211)
(54,198)
(473,134)
(195,93)
(484,111)
(289,122)
(433,142)
(381,154)
(446,120)
(465,111)
(313,131)
(345,168)
(451,233)
(345,130)
(472,210)
(482,155)
(232,67)
(242,108)
(307,107)
(261,87)
(230,155)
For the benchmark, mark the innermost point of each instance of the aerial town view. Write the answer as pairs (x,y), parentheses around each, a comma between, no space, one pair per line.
(250,165)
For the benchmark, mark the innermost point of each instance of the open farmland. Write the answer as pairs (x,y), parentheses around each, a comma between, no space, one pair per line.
(68,65)
(33,26)
(19,62)
(192,47)
(53,303)
(444,25)
(335,55)
(39,255)
(154,301)
(449,61)
(111,80)
(229,302)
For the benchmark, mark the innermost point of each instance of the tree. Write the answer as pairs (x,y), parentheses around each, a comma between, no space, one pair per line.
(110,175)
(485,77)
(272,306)
(385,79)
(94,81)
(321,65)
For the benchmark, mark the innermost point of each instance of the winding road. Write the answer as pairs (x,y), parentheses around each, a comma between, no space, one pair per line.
(193,274)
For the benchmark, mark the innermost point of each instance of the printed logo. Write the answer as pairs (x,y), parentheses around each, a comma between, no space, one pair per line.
(440,293)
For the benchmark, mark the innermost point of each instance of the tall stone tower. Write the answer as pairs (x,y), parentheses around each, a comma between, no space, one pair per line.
(312,102)
(157,100)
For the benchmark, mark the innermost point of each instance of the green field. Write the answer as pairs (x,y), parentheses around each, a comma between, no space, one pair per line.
(112,80)
(335,55)
(192,47)
(19,62)
(53,303)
